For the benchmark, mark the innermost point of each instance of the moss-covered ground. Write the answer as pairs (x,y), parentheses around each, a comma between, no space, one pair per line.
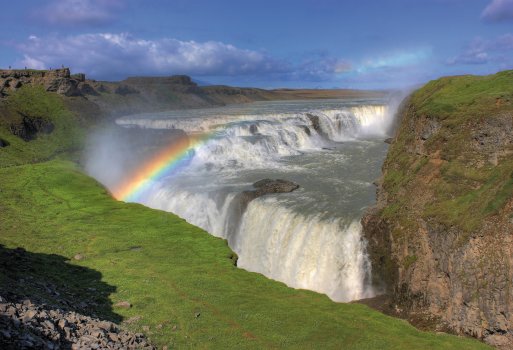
(469,188)
(181,282)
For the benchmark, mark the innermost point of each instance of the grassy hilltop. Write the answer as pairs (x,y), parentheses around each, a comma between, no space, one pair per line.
(182,283)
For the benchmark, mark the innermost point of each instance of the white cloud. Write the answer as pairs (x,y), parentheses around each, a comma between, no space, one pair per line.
(108,55)
(498,10)
(80,12)
(32,63)
(116,56)
(483,51)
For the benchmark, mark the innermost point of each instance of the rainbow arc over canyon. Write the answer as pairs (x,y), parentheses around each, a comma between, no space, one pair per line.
(163,163)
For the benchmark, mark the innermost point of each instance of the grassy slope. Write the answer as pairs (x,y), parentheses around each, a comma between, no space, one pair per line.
(465,194)
(36,102)
(177,270)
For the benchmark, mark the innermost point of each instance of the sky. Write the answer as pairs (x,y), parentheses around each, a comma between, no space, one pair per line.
(360,44)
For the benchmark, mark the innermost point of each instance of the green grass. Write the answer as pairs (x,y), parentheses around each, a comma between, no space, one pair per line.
(166,268)
(454,98)
(180,270)
(464,194)
(36,102)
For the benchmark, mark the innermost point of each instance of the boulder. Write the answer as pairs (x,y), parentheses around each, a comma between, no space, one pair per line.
(267,186)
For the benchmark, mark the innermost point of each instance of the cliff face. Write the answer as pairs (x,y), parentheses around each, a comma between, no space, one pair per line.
(57,80)
(441,235)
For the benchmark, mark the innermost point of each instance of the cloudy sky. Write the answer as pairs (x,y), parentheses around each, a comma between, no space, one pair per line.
(278,43)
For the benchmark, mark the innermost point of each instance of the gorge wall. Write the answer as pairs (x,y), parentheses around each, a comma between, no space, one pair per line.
(441,236)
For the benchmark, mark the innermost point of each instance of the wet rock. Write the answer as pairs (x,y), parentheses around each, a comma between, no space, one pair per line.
(266,186)
(389,140)
(253,129)
(314,119)
(263,187)
(306,129)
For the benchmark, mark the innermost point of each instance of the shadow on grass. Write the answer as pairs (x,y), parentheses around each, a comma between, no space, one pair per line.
(50,279)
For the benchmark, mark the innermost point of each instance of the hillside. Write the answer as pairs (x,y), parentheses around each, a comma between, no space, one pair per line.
(93,99)
(66,243)
(440,237)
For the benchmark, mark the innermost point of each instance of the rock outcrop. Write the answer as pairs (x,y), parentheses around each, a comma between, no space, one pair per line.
(29,127)
(441,236)
(57,80)
(27,325)
(267,186)
(43,311)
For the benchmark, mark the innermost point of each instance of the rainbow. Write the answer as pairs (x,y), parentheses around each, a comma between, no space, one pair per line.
(163,163)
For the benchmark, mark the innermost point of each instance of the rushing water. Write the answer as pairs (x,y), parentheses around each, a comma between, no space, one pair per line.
(310,238)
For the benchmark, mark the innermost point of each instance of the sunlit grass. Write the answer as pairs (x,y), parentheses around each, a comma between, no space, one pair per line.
(179,271)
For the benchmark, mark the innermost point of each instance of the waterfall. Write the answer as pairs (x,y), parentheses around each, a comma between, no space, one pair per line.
(302,248)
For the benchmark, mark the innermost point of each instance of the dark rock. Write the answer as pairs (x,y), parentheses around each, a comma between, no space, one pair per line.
(253,129)
(87,89)
(29,127)
(263,187)
(315,120)
(64,86)
(389,140)
(275,186)
(306,129)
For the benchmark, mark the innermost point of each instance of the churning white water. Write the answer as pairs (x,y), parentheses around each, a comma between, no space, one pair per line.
(310,238)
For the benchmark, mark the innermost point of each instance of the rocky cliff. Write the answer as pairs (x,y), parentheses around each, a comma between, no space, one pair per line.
(441,235)
(57,80)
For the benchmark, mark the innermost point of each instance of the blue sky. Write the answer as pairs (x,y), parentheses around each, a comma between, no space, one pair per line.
(280,43)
